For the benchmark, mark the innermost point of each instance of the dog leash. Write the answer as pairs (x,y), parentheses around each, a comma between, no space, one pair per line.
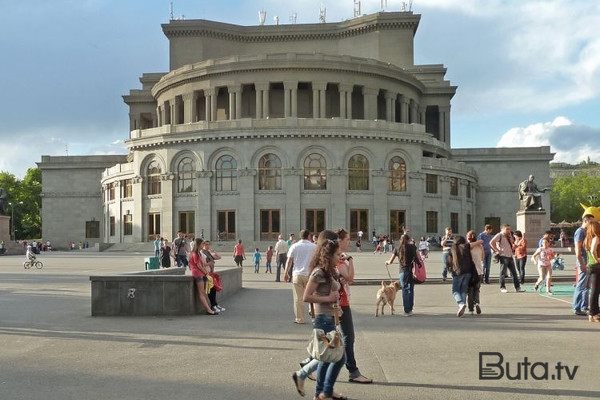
(388,270)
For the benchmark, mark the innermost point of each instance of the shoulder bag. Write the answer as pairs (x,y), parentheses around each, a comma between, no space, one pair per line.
(327,347)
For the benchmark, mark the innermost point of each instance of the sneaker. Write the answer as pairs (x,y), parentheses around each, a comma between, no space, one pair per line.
(461,310)
(521,290)
(407,314)
(549,293)
(503,290)
(477,309)
(215,309)
(221,308)
(577,312)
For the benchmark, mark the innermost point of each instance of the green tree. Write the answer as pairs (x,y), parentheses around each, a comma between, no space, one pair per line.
(567,194)
(25,198)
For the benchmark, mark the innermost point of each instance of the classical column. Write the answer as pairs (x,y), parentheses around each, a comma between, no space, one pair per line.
(204,217)
(413,109)
(258,91)
(415,185)
(173,111)
(166,217)
(265,94)
(423,114)
(370,100)
(404,102)
(159,115)
(238,102)
(290,103)
(319,89)
(345,101)
(231,104)
(445,123)
(246,212)
(189,107)
(389,105)
(208,94)
(213,105)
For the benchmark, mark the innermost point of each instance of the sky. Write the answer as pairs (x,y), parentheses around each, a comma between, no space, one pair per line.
(527,71)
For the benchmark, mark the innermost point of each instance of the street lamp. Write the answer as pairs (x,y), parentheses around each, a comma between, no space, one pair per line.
(12,218)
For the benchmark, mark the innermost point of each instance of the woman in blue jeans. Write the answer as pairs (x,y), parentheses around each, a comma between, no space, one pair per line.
(462,268)
(406,253)
(323,289)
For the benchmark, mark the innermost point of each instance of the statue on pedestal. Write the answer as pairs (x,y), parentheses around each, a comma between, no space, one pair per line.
(530,195)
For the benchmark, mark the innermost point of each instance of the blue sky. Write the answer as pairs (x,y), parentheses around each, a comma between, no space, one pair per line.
(528,72)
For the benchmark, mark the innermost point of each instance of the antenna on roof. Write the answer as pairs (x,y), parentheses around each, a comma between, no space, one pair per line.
(293,17)
(407,7)
(356,9)
(262,16)
(322,15)
(171,18)
(383,5)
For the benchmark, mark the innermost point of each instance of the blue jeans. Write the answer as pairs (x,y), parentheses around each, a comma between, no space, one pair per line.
(444,268)
(460,285)
(181,260)
(327,373)
(508,263)
(581,293)
(487,262)
(520,264)
(281,259)
(408,291)
(347,327)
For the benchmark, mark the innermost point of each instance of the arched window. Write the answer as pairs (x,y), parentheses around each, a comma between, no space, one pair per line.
(269,172)
(226,174)
(185,175)
(153,174)
(358,173)
(397,175)
(315,172)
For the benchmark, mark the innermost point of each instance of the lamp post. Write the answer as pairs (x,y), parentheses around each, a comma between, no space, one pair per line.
(12,218)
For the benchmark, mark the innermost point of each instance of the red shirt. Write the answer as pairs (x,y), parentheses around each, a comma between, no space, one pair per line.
(197,265)
(344,300)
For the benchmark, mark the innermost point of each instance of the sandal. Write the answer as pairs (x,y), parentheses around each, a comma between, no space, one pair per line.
(361,379)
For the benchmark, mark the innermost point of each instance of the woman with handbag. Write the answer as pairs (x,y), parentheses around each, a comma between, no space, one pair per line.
(592,246)
(323,289)
(199,271)
(406,253)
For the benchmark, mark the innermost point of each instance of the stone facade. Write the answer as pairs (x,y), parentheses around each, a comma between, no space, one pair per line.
(260,130)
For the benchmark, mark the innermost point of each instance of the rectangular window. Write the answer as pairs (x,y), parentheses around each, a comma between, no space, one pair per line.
(454,222)
(226,225)
(127,225)
(127,188)
(453,186)
(187,221)
(469,194)
(397,223)
(153,225)
(111,191)
(432,222)
(111,226)
(270,225)
(431,183)
(92,229)
(315,220)
(154,183)
(359,221)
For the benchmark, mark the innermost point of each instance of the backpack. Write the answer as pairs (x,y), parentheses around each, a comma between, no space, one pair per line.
(419,272)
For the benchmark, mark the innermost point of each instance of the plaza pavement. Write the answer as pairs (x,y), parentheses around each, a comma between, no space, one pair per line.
(52,349)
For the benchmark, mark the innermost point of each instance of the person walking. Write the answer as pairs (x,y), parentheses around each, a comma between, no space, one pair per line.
(297,270)
(520,255)
(473,292)
(543,258)
(503,244)
(281,249)
(462,268)
(238,254)
(180,249)
(592,246)
(581,292)
(447,243)
(486,237)
(406,252)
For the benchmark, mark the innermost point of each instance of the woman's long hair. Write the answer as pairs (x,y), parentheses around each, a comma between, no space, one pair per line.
(327,245)
(592,230)
(197,246)
(457,252)
(404,241)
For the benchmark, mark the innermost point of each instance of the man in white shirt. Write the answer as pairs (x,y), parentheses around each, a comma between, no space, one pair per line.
(281,249)
(297,268)
(503,244)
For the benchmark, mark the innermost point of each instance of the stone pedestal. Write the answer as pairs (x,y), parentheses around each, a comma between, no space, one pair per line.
(533,225)
(5,228)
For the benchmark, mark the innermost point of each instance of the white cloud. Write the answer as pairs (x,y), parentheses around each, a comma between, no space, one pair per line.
(571,142)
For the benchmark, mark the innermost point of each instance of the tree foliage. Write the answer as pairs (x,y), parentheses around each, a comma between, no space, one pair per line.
(25,198)
(569,191)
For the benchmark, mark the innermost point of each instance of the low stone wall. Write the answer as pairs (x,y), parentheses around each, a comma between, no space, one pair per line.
(155,292)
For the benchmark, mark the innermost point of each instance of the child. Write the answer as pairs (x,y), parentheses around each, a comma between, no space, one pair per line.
(257,259)
(269,257)
(378,248)
(543,258)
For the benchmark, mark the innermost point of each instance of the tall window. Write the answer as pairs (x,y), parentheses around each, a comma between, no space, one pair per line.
(153,178)
(127,224)
(153,225)
(454,222)
(226,225)
(269,172)
(359,221)
(187,220)
(111,226)
(315,220)
(127,186)
(315,172)
(431,221)
(185,175)
(397,223)
(469,189)
(453,186)
(111,190)
(226,174)
(92,229)
(431,183)
(358,173)
(270,225)
(397,169)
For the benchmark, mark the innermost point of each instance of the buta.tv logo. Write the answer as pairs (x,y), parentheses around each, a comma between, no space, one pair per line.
(493,367)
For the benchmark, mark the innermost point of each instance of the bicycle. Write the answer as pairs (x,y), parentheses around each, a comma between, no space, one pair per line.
(33,263)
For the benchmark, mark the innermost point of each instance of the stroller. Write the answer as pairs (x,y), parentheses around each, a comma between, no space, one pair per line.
(558,263)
